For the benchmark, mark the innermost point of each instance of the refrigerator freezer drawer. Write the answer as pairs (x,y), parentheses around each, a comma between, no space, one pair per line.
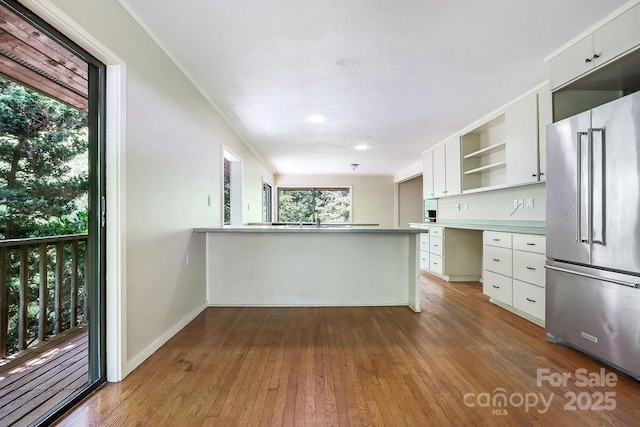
(594,312)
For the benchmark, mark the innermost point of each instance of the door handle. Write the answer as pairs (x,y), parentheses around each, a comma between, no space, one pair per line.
(591,276)
(579,136)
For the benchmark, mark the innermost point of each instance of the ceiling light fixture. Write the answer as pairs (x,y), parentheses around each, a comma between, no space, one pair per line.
(316,119)
(354,166)
(361,147)
(343,62)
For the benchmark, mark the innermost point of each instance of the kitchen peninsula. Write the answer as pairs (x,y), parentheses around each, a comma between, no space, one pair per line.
(312,266)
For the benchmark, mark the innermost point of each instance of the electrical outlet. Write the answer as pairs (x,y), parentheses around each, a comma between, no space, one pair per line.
(515,203)
(528,203)
(521,203)
(209,200)
(466,206)
(458,206)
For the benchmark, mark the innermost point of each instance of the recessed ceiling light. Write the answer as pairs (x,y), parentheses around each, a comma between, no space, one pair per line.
(343,62)
(361,147)
(316,119)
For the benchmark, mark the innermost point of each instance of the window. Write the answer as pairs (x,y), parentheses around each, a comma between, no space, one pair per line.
(266,202)
(227,191)
(308,204)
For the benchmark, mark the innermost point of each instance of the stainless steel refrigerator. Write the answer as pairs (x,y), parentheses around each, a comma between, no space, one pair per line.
(593,233)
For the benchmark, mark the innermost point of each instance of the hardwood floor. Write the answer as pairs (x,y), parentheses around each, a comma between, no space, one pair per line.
(31,389)
(359,366)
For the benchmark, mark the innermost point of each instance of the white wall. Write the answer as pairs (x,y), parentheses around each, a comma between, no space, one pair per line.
(372,197)
(174,140)
(496,204)
(410,202)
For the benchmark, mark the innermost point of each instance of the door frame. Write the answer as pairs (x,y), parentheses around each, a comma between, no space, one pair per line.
(115,142)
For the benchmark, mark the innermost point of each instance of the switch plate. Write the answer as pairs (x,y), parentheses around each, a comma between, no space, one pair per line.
(209,200)
(528,203)
(466,206)
(458,206)
(521,203)
(515,203)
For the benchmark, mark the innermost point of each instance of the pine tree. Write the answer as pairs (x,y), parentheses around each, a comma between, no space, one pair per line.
(39,140)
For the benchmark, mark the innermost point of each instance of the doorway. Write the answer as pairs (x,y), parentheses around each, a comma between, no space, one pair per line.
(410,203)
(52,220)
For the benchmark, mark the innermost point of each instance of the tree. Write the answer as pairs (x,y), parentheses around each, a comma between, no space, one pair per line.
(41,192)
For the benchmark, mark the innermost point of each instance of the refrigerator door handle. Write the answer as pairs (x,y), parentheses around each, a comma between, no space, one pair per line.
(602,239)
(591,276)
(579,136)
(590,188)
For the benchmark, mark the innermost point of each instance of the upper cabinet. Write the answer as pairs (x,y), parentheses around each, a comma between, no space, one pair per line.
(609,42)
(521,131)
(441,169)
(545,117)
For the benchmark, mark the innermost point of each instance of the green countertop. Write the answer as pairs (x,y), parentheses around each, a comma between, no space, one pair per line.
(520,227)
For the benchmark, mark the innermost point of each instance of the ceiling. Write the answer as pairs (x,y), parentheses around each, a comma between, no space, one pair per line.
(418,70)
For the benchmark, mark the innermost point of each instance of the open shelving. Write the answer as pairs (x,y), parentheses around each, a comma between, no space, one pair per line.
(484,155)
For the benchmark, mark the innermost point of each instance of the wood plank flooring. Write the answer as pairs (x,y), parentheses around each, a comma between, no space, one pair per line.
(30,390)
(359,366)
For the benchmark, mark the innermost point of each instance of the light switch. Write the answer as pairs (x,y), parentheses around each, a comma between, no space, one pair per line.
(458,206)
(521,203)
(466,206)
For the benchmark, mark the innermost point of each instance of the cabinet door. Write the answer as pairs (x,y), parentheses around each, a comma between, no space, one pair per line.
(545,117)
(521,128)
(617,37)
(571,63)
(453,167)
(439,187)
(427,175)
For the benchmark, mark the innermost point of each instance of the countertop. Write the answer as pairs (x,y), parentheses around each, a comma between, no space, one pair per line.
(520,227)
(303,229)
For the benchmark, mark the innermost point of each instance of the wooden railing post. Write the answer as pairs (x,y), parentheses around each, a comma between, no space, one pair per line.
(58,286)
(22,310)
(74,283)
(85,288)
(44,294)
(4,303)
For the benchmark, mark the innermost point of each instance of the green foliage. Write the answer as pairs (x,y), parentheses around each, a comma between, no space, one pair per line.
(43,163)
(307,205)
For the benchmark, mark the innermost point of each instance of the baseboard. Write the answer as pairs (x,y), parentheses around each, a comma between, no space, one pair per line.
(139,358)
(399,304)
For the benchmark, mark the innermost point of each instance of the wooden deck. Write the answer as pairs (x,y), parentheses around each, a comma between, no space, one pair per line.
(31,389)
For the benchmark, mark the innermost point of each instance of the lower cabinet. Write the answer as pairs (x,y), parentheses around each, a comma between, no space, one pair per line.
(513,273)
(450,253)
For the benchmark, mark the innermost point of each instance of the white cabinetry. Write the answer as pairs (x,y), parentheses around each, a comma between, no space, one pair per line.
(513,273)
(545,117)
(427,175)
(443,178)
(610,41)
(452,253)
(521,120)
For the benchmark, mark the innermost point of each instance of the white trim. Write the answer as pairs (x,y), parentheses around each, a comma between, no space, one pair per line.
(138,359)
(622,9)
(184,71)
(405,174)
(116,180)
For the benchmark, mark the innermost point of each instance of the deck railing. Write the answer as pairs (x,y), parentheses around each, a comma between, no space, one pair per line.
(42,289)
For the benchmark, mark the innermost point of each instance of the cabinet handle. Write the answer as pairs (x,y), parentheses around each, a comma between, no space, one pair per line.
(531,300)
(497,287)
(596,56)
(534,175)
(587,60)
(445,191)
(530,268)
(435,263)
(541,173)
(435,246)
(496,259)
(530,244)
(496,240)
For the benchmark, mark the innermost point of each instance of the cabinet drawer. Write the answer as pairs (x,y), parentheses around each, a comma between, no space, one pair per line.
(435,263)
(424,260)
(497,260)
(529,298)
(529,243)
(436,231)
(424,238)
(494,238)
(497,287)
(424,244)
(529,267)
(435,245)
